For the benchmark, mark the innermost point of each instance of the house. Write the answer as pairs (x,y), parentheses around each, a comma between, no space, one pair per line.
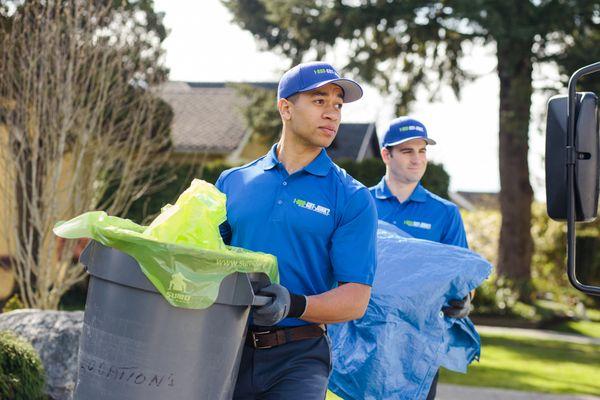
(207,120)
(471,201)
(208,123)
(355,141)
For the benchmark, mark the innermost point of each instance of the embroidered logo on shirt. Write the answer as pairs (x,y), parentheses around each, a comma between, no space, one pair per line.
(417,224)
(312,206)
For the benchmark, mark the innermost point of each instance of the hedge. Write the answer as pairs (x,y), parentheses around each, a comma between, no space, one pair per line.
(22,375)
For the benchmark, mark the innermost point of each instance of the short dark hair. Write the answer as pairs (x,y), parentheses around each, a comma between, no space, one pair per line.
(293,98)
(389,149)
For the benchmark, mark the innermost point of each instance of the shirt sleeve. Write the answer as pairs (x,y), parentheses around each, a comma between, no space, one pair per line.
(224,228)
(353,248)
(454,233)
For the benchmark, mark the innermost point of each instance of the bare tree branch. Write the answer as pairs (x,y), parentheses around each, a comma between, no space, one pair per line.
(78,127)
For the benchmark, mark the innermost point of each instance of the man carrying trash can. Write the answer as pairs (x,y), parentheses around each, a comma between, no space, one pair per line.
(402,201)
(319,222)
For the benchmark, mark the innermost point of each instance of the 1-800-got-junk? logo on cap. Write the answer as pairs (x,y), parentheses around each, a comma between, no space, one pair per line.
(325,71)
(403,129)
(308,76)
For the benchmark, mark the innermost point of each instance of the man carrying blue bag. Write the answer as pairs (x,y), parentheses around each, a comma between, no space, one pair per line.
(402,201)
(319,222)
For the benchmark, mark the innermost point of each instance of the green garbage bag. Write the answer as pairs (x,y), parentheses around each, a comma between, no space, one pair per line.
(194,219)
(181,252)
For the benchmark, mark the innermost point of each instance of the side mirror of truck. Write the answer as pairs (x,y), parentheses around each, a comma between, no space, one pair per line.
(584,156)
(573,169)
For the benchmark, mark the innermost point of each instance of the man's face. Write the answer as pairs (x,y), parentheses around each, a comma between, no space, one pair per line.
(406,162)
(314,116)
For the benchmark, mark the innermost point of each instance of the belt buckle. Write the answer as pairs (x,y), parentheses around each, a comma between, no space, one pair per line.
(255,340)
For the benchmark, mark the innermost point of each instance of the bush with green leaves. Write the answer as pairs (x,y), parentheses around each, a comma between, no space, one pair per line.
(174,179)
(549,284)
(370,171)
(22,375)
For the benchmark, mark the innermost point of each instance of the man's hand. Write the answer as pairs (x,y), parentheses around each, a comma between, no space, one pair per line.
(458,308)
(272,313)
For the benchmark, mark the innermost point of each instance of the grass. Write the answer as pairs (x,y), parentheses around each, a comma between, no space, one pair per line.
(590,328)
(586,328)
(519,363)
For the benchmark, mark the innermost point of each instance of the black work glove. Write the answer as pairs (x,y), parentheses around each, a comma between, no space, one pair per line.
(458,308)
(284,304)
(276,310)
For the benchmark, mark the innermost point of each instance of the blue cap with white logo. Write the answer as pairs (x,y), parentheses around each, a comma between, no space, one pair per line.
(308,76)
(402,130)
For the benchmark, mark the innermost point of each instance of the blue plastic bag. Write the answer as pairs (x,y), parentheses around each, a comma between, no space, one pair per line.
(394,351)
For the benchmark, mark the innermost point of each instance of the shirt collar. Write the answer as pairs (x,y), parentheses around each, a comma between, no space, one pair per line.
(319,166)
(270,160)
(382,191)
(419,194)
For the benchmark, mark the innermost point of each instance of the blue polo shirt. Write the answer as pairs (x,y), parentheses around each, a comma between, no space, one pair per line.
(423,215)
(319,222)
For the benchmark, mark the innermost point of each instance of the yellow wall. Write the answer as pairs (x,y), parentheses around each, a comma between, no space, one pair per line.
(6,192)
(6,278)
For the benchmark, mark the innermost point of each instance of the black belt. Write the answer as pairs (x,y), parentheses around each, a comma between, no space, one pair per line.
(259,338)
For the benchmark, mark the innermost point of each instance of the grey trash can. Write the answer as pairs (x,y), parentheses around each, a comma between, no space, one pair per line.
(136,346)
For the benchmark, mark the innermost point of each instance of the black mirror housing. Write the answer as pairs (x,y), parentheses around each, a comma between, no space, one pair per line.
(585,156)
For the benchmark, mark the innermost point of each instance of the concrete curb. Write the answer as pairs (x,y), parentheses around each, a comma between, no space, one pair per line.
(539,334)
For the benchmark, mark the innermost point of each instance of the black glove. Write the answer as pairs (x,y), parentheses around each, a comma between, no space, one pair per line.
(458,308)
(284,304)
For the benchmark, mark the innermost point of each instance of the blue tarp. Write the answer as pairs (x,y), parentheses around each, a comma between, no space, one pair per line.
(394,351)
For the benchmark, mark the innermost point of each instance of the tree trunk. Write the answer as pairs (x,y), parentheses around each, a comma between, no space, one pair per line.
(516,243)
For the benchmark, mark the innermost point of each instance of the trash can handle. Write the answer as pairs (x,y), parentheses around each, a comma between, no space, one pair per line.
(261,300)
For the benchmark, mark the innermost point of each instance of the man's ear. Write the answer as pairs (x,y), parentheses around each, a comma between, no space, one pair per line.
(285,109)
(386,154)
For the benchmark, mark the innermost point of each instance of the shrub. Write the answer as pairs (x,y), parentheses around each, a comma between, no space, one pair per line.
(498,296)
(370,170)
(174,180)
(21,372)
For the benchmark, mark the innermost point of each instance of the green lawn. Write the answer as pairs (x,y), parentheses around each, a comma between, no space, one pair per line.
(586,328)
(519,363)
(531,364)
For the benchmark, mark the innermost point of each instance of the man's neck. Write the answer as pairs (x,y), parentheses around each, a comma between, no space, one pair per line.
(295,155)
(401,190)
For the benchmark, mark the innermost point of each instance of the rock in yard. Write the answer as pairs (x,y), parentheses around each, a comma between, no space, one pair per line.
(55,336)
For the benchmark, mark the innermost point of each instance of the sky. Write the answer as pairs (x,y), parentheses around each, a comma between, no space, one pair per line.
(205,46)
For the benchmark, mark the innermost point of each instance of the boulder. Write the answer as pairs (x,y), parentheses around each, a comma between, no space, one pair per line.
(55,336)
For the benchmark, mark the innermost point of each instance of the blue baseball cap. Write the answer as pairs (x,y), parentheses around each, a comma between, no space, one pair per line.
(402,130)
(311,75)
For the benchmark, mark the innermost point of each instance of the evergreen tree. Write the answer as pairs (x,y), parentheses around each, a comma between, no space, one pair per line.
(402,46)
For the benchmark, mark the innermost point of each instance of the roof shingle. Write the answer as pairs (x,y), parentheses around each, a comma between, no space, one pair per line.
(206,115)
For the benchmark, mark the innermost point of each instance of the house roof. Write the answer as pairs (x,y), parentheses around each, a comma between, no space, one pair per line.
(205,115)
(207,118)
(476,200)
(354,141)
